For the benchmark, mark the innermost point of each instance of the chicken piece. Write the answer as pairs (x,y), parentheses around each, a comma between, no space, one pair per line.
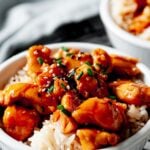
(71,63)
(141,4)
(125,65)
(73,58)
(70,101)
(45,78)
(67,123)
(131,93)
(100,112)
(70,60)
(77,60)
(102,61)
(102,90)
(148,2)
(60,87)
(92,139)
(86,82)
(28,95)
(87,86)
(85,57)
(64,52)
(36,56)
(140,22)
(19,122)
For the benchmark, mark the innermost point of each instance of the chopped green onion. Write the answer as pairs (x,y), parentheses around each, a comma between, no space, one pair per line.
(59,61)
(63,86)
(112,97)
(80,75)
(90,72)
(61,107)
(65,49)
(88,63)
(40,60)
(69,54)
(50,89)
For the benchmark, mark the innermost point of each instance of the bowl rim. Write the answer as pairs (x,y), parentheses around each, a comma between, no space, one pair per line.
(104,12)
(7,140)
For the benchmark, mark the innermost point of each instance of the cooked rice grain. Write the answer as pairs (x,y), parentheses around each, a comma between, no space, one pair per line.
(20,76)
(49,137)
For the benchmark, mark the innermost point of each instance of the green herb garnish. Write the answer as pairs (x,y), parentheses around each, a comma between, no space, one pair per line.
(66,112)
(80,75)
(50,89)
(88,63)
(90,72)
(69,54)
(65,49)
(63,86)
(112,97)
(60,107)
(59,61)
(40,60)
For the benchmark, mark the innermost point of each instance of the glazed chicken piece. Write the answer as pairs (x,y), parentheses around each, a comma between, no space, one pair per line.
(19,122)
(70,101)
(142,18)
(45,78)
(101,112)
(86,83)
(60,87)
(102,90)
(36,56)
(76,60)
(64,52)
(71,63)
(67,123)
(140,6)
(102,61)
(131,93)
(125,65)
(28,95)
(73,58)
(92,139)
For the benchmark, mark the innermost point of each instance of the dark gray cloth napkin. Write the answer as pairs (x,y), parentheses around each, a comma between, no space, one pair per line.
(23,22)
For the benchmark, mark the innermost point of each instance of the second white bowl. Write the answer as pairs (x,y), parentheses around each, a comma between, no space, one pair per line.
(121,39)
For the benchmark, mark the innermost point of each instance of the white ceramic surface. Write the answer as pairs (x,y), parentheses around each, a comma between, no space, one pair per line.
(123,40)
(9,68)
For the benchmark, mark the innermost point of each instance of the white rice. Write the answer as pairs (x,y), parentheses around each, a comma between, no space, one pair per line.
(138,116)
(49,137)
(20,76)
(122,12)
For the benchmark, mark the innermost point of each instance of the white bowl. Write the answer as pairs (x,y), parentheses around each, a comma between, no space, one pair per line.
(121,39)
(10,67)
